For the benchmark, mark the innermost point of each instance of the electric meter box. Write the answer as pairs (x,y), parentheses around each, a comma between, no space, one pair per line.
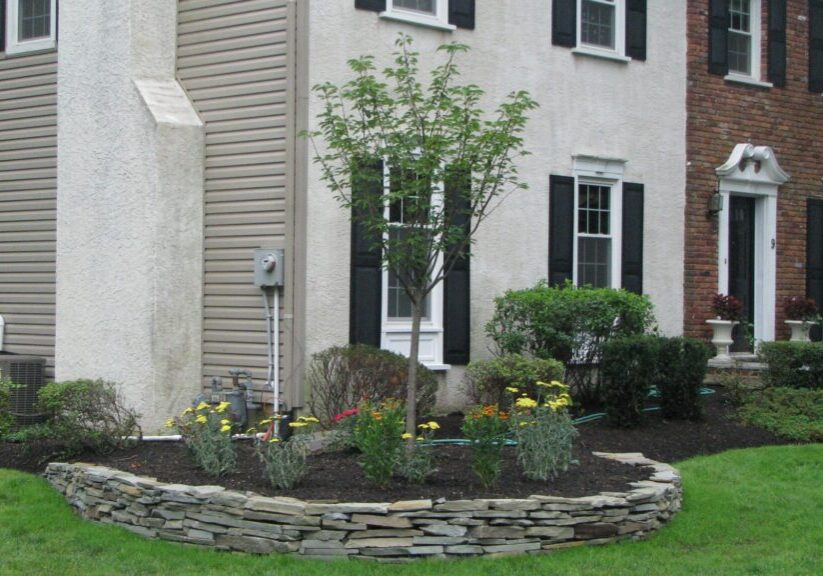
(268,267)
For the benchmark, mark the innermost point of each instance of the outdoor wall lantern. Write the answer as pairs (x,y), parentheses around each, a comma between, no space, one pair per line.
(715,204)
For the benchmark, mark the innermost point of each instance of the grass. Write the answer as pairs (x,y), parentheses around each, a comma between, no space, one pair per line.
(754,511)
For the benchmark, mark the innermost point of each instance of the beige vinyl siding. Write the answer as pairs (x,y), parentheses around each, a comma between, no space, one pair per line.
(28,193)
(234,62)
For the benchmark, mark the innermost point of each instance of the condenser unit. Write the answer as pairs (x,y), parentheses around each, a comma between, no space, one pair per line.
(26,373)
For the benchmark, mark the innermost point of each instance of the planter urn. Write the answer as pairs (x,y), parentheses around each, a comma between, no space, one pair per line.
(722,336)
(800,330)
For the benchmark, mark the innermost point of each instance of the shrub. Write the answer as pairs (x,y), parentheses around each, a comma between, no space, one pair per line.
(486,381)
(417,461)
(378,430)
(800,308)
(727,307)
(793,364)
(88,415)
(486,427)
(284,461)
(796,414)
(568,324)
(6,419)
(544,431)
(629,369)
(342,376)
(206,430)
(681,369)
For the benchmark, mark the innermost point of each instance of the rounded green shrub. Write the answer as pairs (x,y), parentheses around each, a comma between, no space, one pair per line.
(486,381)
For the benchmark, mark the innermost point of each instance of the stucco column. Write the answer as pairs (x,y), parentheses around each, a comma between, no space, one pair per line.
(129,206)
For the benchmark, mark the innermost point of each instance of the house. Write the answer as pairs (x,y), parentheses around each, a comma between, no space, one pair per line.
(141,168)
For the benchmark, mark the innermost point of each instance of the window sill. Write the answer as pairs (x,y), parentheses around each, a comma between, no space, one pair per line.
(602,54)
(748,80)
(422,21)
(438,367)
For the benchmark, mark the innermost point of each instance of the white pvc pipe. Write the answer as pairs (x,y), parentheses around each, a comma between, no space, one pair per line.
(2,331)
(276,353)
(178,437)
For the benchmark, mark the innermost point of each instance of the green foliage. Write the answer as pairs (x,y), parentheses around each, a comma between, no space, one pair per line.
(486,380)
(284,461)
(796,414)
(417,460)
(206,430)
(88,415)
(342,376)
(377,434)
(6,419)
(629,370)
(568,324)
(793,364)
(486,427)
(681,369)
(544,431)
(428,136)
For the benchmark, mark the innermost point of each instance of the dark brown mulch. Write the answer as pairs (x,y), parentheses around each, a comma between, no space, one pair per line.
(337,476)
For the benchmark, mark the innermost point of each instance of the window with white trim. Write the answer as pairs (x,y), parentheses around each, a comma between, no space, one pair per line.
(397,314)
(30,25)
(434,13)
(601,26)
(744,38)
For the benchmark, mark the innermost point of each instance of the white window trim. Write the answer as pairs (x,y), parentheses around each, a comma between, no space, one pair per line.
(16,46)
(439,21)
(756,15)
(619,51)
(395,335)
(602,172)
(740,177)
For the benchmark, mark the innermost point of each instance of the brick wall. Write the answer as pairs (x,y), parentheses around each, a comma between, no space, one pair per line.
(722,114)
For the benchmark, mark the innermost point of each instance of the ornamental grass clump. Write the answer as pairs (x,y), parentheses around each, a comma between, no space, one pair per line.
(284,461)
(543,430)
(417,460)
(377,433)
(206,430)
(486,427)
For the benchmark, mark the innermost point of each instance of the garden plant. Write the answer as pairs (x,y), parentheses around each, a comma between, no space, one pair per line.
(206,430)
(487,428)
(284,460)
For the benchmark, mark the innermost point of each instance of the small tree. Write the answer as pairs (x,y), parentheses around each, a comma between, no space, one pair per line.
(421,138)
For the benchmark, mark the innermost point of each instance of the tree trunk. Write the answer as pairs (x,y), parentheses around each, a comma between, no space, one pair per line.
(411,391)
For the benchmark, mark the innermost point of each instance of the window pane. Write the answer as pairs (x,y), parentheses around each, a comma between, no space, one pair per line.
(35,19)
(426,6)
(740,59)
(399,302)
(594,262)
(593,209)
(597,23)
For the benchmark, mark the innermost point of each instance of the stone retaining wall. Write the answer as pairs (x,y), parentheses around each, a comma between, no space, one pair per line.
(227,520)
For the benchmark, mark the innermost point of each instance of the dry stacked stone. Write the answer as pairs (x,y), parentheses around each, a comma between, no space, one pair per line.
(397,531)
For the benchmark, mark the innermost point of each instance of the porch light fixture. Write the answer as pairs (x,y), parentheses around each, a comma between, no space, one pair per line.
(715,204)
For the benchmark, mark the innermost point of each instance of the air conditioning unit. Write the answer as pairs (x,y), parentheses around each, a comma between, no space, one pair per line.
(26,372)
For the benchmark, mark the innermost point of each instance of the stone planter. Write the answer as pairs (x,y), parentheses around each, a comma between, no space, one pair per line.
(722,336)
(800,330)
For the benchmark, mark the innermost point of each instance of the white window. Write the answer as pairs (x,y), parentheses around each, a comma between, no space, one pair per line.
(744,39)
(598,221)
(30,25)
(396,316)
(431,13)
(601,26)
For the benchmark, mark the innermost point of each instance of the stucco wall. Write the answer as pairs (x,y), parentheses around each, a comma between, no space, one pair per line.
(635,111)
(130,213)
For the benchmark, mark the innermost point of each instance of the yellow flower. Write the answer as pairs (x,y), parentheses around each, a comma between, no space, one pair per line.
(274,440)
(251,432)
(406,436)
(420,438)
(513,390)
(308,419)
(202,406)
(434,425)
(170,423)
(222,407)
(225,428)
(265,422)
(423,426)
(543,384)
(225,422)
(525,403)
(188,410)
(201,419)
(297,424)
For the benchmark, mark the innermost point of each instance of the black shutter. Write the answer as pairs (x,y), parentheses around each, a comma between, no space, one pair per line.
(456,286)
(561,229)
(564,23)
(816,45)
(719,37)
(632,249)
(777,42)
(461,13)
(814,256)
(366,266)
(2,26)
(373,5)
(636,29)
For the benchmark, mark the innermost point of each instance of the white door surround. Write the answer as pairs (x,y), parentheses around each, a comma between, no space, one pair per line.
(753,171)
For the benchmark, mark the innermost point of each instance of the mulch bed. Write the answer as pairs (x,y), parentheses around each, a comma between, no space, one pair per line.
(337,476)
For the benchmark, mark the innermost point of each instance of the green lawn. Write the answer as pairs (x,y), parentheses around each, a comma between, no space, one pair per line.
(756,511)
